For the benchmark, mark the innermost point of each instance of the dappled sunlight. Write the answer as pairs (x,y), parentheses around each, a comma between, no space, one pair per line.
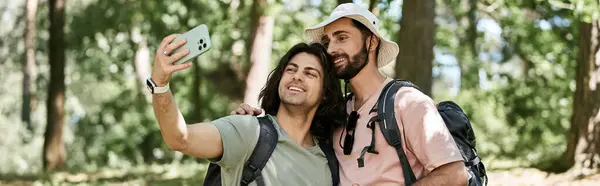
(516,68)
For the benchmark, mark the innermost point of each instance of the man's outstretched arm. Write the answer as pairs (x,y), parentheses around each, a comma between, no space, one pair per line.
(200,140)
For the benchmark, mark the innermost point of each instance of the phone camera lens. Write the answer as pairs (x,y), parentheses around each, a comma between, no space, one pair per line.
(199,47)
(202,41)
(204,45)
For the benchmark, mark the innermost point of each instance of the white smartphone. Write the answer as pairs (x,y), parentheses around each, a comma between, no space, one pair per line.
(198,41)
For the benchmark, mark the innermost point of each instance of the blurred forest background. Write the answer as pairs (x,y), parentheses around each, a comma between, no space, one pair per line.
(75,110)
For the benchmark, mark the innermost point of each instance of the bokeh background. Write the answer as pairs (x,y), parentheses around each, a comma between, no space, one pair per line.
(75,110)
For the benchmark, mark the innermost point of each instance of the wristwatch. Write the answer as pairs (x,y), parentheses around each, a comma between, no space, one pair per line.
(156,89)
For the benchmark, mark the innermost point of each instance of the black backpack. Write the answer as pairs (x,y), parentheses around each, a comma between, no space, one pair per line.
(455,119)
(267,141)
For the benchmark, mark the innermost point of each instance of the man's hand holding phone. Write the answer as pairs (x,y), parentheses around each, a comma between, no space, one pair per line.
(175,50)
(165,58)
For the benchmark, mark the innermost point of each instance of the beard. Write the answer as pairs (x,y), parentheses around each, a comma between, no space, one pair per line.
(297,102)
(354,66)
(292,100)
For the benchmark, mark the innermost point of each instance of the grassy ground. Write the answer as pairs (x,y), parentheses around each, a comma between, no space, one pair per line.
(158,175)
(193,174)
(529,176)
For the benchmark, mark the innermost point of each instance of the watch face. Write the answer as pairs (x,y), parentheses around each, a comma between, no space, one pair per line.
(149,85)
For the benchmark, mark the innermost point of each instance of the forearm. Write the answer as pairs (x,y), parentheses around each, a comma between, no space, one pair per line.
(432,180)
(449,174)
(172,125)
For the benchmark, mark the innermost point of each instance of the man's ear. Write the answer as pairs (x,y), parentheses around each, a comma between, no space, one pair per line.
(374,41)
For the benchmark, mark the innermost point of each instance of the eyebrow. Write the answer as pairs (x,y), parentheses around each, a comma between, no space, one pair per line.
(306,68)
(325,38)
(293,64)
(340,32)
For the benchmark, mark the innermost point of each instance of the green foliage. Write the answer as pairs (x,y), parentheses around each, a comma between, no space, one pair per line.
(517,88)
(119,120)
(522,105)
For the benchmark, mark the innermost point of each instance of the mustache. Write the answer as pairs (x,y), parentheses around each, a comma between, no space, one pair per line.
(344,55)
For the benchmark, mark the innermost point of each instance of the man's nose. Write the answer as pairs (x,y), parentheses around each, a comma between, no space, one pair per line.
(298,76)
(332,49)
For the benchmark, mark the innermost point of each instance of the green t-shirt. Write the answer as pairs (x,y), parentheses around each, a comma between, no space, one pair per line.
(290,163)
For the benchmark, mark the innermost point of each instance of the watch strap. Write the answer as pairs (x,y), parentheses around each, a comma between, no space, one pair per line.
(154,89)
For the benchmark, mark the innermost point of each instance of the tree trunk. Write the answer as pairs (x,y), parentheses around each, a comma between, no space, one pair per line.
(142,64)
(344,1)
(472,30)
(54,151)
(256,11)
(583,145)
(468,59)
(260,61)
(29,68)
(260,55)
(196,95)
(416,41)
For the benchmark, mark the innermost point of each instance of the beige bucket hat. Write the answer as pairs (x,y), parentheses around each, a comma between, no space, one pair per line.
(388,49)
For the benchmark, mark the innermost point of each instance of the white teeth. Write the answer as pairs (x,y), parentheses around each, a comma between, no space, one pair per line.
(339,60)
(296,89)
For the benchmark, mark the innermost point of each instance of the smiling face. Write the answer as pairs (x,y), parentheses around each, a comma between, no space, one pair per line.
(302,81)
(343,40)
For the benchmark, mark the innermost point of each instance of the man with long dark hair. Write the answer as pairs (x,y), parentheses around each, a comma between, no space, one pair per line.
(302,98)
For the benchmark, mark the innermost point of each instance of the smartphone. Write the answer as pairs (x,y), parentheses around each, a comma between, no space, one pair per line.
(198,41)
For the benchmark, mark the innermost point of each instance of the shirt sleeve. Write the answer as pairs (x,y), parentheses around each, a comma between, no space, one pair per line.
(426,134)
(239,134)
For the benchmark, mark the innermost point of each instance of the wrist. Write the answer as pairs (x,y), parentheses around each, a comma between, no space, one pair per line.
(156,88)
(158,82)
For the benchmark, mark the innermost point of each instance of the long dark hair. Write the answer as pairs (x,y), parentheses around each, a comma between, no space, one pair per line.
(331,111)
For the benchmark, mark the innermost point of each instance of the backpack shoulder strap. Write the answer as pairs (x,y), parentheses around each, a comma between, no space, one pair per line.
(267,141)
(213,175)
(332,161)
(389,126)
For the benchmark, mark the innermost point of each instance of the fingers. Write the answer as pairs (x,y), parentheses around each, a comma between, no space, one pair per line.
(257,111)
(179,67)
(163,64)
(165,42)
(178,55)
(247,109)
(173,46)
(240,111)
